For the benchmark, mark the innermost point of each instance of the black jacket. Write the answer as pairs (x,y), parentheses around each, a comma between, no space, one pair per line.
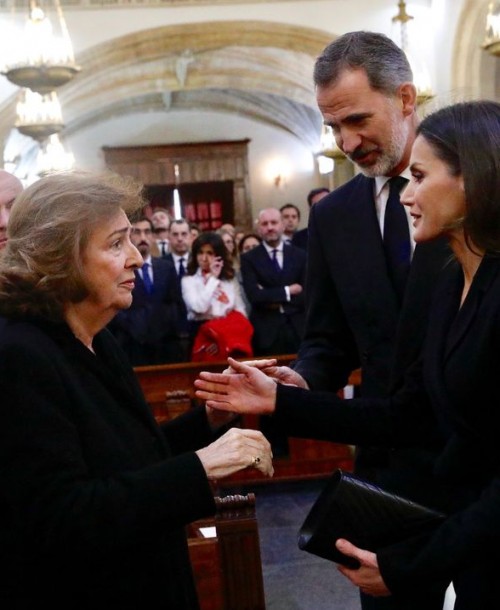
(94,495)
(453,393)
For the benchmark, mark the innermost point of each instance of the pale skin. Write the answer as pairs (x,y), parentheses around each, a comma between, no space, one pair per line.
(109,260)
(10,187)
(436,199)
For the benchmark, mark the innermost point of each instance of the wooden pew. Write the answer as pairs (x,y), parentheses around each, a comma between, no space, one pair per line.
(228,569)
(169,389)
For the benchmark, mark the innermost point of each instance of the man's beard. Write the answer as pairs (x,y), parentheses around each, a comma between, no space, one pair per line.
(393,151)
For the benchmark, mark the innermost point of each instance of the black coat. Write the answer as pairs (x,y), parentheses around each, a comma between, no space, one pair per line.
(95,496)
(454,393)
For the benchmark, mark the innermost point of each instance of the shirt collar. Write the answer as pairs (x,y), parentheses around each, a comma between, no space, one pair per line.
(381,181)
(270,249)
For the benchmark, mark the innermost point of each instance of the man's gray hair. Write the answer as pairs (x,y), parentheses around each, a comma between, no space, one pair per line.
(385,64)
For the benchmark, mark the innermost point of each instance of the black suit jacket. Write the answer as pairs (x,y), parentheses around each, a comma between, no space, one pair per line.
(152,319)
(352,308)
(94,494)
(354,319)
(300,239)
(453,394)
(265,290)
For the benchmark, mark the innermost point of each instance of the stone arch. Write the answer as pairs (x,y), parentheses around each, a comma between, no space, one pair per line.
(256,68)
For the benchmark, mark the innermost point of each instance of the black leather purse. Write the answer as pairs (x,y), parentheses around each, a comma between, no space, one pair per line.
(364,514)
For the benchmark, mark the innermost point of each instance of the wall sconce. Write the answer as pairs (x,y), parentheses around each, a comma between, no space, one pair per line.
(278,172)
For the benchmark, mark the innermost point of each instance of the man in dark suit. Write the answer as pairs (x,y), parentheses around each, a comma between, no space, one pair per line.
(180,240)
(273,278)
(147,330)
(300,237)
(354,302)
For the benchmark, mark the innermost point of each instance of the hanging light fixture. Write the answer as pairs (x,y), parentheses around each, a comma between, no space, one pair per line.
(421,76)
(52,157)
(42,59)
(38,116)
(328,145)
(492,37)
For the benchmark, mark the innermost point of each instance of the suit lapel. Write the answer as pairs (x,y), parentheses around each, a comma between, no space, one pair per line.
(359,244)
(469,310)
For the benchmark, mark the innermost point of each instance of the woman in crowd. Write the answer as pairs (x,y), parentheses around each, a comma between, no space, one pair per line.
(214,303)
(452,392)
(230,243)
(95,495)
(248,242)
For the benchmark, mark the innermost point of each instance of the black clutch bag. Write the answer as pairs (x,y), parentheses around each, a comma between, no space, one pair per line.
(364,514)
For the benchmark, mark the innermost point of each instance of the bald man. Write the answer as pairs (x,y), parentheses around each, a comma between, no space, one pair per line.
(10,187)
(273,276)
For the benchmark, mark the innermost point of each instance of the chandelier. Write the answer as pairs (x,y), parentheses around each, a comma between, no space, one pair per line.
(328,145)
(492,38)
(42,60)
(38,116)
(421,76)
(329,152)
(39,60)
(52,157)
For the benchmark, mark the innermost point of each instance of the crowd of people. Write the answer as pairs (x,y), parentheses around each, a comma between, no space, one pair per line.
(203,296)
(402,280)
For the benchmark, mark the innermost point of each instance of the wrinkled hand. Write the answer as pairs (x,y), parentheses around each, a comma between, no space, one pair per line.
(281,374)
(367,577)
(234,451)
(248,390)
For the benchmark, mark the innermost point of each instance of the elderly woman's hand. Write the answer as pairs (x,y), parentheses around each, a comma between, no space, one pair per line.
(367,577)
(248,390)
(236,450)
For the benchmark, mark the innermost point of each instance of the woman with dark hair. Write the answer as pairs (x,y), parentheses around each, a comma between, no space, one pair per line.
(214,303)
(450,395)
(95,496)
(248,242)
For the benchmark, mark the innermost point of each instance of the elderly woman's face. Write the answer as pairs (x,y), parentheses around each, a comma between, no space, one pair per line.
(109,260)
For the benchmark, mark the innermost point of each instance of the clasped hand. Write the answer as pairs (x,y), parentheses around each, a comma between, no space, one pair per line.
(236,450)
(367,577)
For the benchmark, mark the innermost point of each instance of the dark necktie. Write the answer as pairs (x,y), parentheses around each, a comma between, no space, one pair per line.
(397,245)
(274,260)
(146,278)
(182,269)
(163,248)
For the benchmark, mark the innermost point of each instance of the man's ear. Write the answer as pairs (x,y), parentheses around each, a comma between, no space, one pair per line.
(408,95)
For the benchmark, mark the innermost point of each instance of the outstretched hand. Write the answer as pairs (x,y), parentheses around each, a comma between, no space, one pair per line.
(248,390)
(367,577)
(281,374)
